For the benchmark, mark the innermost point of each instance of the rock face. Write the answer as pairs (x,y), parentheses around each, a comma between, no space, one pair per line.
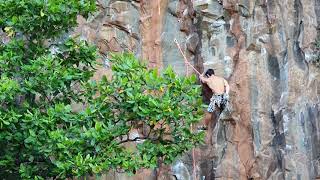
(264,48)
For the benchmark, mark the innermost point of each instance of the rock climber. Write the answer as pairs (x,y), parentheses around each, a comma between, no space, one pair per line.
(220,88)
(218,85)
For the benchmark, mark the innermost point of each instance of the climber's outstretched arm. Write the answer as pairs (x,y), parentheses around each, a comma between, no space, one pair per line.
(203,79)
(227,87)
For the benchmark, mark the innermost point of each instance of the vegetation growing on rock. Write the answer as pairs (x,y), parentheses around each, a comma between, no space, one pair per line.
(316,60)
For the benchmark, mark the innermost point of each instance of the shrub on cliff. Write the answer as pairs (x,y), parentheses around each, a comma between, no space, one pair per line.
(316,60)
(41,78)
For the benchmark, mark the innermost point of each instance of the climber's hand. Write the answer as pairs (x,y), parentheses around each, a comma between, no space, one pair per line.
(203,79)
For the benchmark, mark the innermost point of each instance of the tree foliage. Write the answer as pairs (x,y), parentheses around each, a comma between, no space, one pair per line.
(42,79)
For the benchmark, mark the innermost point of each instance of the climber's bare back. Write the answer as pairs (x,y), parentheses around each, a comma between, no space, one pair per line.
(216,84)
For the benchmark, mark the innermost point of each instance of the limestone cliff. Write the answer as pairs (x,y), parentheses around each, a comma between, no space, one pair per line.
(263,47)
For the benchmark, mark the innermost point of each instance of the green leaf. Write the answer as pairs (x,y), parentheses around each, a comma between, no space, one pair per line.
(31,158)
(61,146)
(98,126)
(41,13)
(32,133)
(5,122)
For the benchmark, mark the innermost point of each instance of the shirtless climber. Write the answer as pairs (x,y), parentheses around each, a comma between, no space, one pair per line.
(220,97)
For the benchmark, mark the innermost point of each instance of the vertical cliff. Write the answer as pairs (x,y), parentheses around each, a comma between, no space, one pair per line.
(264,48)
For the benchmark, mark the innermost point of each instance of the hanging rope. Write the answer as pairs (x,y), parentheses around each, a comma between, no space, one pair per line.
(194,173)
(185,58)
(187,72)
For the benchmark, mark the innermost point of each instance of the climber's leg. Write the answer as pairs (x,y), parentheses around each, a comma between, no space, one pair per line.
(212,124)
(208,115)
(217,104)
(212,105)
(207,118)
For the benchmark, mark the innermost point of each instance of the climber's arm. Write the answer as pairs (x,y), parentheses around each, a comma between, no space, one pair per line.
(203,79)
(227,87)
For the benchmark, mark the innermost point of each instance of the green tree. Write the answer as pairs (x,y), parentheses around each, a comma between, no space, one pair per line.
(43,76)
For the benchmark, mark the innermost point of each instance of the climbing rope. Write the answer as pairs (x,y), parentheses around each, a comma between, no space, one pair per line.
(185,58)
(186,62)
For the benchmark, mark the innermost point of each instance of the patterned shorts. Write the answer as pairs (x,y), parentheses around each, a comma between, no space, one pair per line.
(217,100)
